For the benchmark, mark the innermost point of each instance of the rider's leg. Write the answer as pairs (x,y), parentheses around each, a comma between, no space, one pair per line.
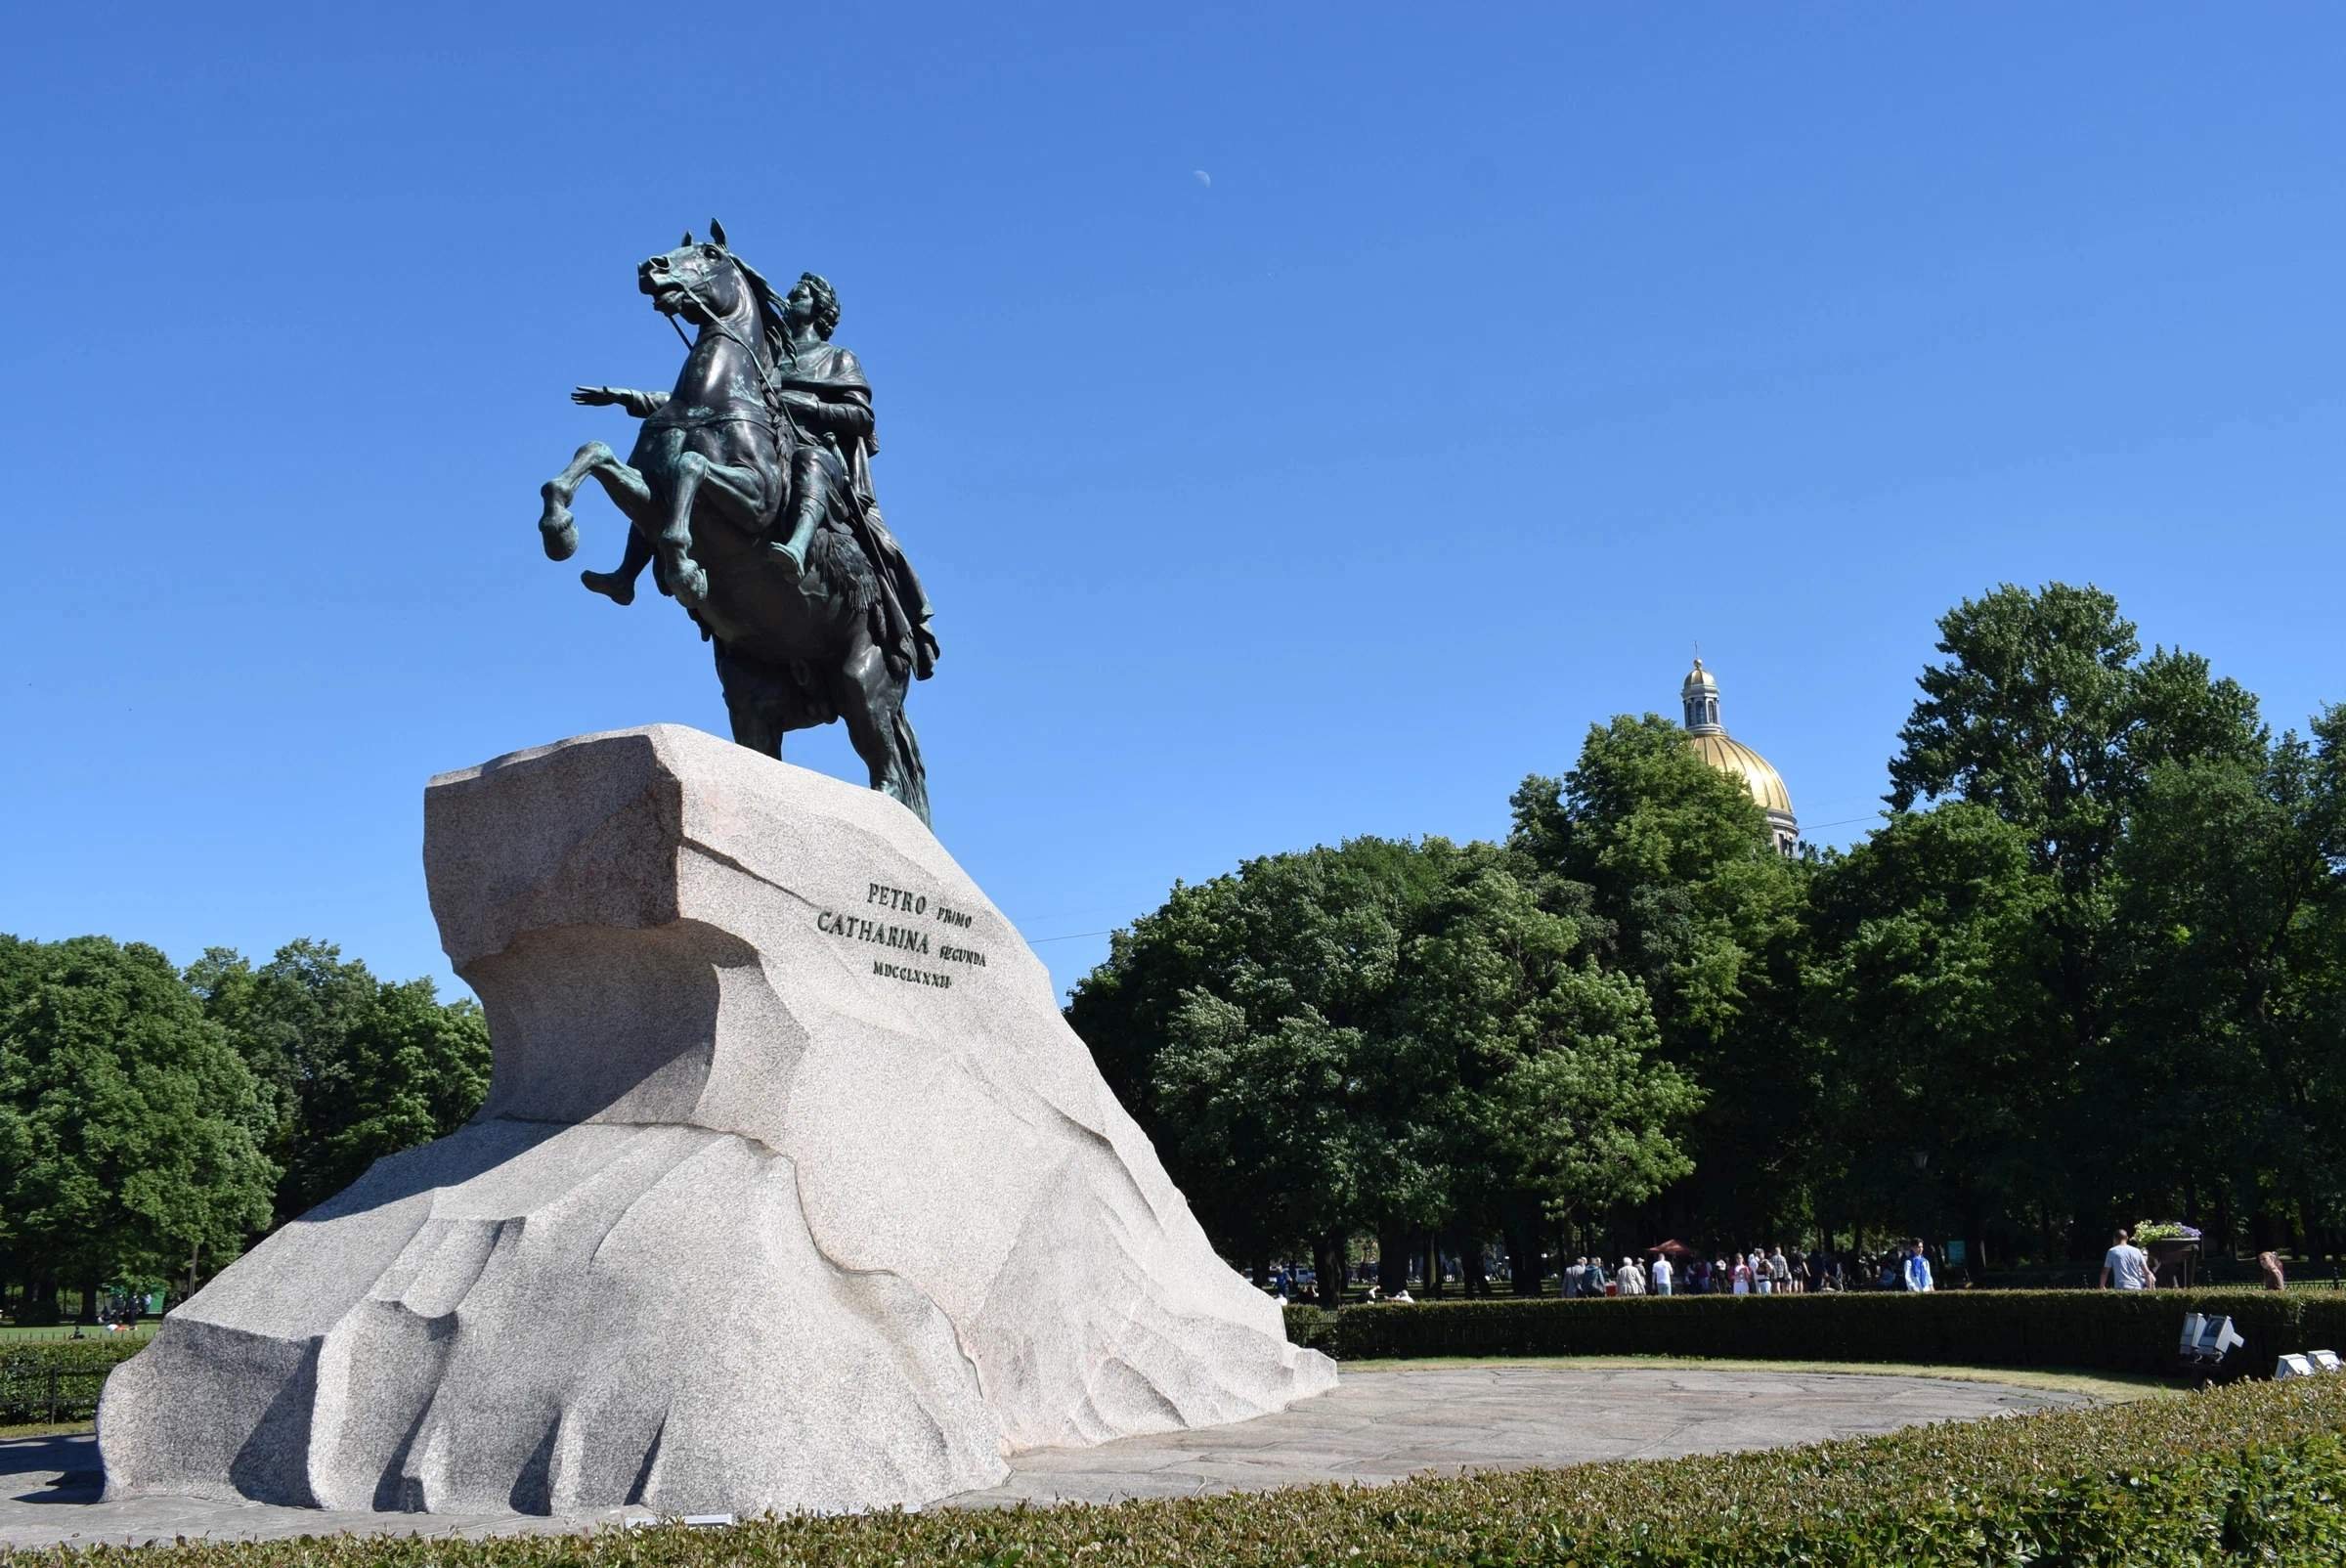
(813,474)
(620,586)
(634,498)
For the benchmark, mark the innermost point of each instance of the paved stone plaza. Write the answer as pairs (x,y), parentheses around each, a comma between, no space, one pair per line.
(1377,1426)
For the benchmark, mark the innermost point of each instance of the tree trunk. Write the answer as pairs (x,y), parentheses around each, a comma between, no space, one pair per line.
(1523,1245)
(1433,1266)
(89,1304)
(1470,1263)
(1393,1257)
(2314,1251)
(1258,1263)
(1327,1262)
(1975,1234)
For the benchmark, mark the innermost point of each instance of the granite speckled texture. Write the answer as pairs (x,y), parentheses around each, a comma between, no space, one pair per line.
(793,1190)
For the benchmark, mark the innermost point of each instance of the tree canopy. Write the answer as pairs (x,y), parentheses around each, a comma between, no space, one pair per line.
(153,1122)
(2092,966)
(1381,1034)
(130,1128)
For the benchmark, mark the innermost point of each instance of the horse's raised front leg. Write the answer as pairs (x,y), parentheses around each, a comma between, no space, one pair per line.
(626,486)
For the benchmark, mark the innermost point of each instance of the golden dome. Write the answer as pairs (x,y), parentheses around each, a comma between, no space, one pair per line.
(1708,739)
(1734,757)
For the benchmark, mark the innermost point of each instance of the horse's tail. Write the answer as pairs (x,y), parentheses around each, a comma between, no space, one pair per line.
(912,786)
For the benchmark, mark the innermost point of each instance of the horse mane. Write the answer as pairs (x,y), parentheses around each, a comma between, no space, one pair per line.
(769,312)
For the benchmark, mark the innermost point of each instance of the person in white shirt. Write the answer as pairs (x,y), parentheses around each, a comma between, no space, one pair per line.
(1661,1276)
(2125,1265)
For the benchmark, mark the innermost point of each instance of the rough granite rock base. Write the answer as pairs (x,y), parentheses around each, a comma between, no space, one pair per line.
(793,1190)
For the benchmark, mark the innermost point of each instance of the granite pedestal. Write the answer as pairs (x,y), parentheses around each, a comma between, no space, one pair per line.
(793,1189)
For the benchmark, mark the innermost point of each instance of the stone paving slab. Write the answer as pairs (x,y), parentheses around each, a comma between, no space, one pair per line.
(1376,1427)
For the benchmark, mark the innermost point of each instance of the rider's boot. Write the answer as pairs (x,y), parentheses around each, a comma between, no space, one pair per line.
(611,586)
(805,516)
(620,586)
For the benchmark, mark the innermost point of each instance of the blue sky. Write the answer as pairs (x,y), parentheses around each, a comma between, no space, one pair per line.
(1307,419)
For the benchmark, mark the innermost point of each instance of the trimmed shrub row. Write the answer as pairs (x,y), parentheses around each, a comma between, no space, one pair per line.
(59,1379)
(2102,1330)
(2250,1473)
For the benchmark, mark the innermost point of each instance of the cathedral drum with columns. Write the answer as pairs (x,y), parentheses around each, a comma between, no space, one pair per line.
(1708,740)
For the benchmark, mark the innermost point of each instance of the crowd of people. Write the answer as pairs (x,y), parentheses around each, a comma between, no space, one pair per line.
(1762,1271)
(1672,1270)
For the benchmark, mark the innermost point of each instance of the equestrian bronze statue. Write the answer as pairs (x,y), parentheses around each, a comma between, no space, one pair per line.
(748,495)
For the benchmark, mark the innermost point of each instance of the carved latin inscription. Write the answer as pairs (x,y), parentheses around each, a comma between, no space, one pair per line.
(899,919)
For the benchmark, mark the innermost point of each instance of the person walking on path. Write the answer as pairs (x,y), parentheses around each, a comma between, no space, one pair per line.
(1917,1272)
(2125,1265)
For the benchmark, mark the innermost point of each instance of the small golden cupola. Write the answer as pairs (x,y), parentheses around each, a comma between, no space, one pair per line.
(1708,740)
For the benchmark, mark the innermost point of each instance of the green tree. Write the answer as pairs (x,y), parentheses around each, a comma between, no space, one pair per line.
(2046,712)
(1929,975)
(1554,1101)
(2233,978)
(1243,1025)
(1668,867)
(355,1068)
(1383,1034)
(131,1123)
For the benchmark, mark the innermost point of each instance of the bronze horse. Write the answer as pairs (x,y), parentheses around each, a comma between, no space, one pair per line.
(800,639)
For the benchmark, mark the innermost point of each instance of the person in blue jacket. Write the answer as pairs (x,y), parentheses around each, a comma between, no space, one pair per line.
(1917,1272)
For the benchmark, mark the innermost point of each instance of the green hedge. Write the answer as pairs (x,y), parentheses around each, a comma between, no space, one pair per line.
(2106,1330)
(51,1381)
(2251,1473)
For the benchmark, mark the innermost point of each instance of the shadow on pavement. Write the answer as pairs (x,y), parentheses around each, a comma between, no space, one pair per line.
(64,1470)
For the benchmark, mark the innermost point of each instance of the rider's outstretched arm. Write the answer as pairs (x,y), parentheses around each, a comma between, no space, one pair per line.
(642,405)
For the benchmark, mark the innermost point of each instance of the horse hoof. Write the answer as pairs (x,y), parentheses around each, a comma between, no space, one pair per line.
(560,534)
(690,587)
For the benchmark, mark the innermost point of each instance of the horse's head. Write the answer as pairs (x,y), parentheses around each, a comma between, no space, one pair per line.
(697,281)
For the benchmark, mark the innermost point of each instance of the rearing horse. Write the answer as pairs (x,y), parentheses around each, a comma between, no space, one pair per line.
(796,647)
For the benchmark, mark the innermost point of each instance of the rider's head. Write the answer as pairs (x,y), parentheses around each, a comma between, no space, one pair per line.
(822,302)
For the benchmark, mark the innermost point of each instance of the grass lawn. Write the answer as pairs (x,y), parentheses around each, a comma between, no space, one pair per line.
(10,1335)
(2108,1388)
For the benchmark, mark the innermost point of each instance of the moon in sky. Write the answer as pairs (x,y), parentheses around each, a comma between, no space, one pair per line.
(1202,177)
